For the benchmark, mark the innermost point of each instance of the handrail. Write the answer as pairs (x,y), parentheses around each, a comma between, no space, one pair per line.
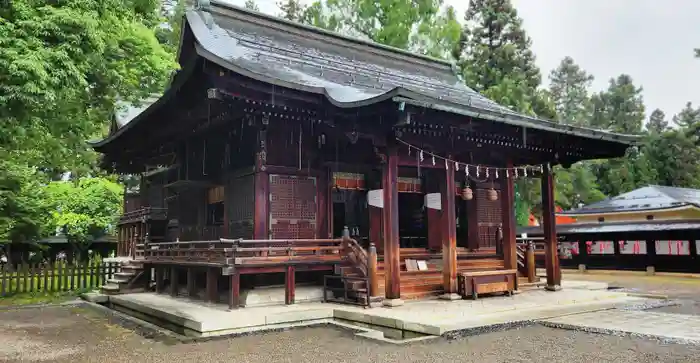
(365,262)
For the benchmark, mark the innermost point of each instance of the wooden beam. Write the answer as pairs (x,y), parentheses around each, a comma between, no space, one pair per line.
(390,218)
(289,285)
(550,232)
(510,256)
(449,232)
(235,292)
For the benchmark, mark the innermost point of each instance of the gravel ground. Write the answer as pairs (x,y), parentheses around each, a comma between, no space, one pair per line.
(75,334)
(684,292)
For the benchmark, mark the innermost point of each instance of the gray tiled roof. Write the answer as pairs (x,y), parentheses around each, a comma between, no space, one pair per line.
(646,198)
(348,71)
(615,227)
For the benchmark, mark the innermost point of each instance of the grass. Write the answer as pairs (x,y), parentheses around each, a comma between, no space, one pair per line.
(36,298)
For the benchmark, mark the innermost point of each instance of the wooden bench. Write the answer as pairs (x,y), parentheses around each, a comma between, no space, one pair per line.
(471,284)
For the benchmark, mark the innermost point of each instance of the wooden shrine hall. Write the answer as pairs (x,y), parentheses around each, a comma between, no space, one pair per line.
(285,154)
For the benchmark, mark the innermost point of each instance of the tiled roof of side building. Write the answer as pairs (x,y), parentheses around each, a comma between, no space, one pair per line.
(651,197)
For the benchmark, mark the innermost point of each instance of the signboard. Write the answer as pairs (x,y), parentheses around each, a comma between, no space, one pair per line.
(375,198)
(433,201)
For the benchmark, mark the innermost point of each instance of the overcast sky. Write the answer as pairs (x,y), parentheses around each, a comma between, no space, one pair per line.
(650,40)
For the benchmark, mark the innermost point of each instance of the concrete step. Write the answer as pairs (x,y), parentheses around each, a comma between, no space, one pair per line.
(117,281)
(124,275)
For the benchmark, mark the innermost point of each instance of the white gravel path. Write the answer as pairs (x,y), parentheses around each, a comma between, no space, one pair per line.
(70,334)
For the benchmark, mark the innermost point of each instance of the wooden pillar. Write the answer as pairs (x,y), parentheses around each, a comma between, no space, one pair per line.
(235,292)
(472,220)
(262,188)
(435,225)
(323,197)
(551,256)
(119,240)
(651,256)
(212,285)
(392,251)
(510,257)
(530,262)
(449,234)
(372,271)
(191,282)
(289,285)
(173,281)
(375,226)
(160,278)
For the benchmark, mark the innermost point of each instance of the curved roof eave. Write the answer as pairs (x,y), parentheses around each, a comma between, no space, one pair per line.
(524,121)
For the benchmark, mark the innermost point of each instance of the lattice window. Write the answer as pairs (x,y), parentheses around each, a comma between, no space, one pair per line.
(292,207)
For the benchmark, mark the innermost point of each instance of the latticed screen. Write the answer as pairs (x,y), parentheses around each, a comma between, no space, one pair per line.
(292,207)
(489,218)
(240,204)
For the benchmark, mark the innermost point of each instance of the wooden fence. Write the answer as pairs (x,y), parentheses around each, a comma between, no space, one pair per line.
(56,277)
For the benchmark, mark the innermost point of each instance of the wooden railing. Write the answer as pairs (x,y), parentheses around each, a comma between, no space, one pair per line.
(267,252)
(142,214)
(230,252)
(525,250)
(364,261)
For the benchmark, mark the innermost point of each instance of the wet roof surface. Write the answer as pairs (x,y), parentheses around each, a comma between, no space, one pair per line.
(646,198)
(348,72)
(346,76)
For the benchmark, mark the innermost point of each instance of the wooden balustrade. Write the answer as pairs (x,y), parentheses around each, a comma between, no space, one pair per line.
(142,214)
(526,250)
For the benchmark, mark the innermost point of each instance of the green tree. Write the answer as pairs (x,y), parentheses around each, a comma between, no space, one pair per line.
(84,209)
(62,66)
(620,108)
(569,91)
(23,218)
(657,122)
(688,118)
(423,26)
(291,10)
(495,57)
(674,157)
(251,5)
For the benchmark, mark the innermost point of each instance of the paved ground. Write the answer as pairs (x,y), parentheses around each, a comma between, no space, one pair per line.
(69,334)
(684,291)
(663,326)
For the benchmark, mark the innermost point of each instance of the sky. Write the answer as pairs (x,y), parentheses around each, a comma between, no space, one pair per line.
(648,39)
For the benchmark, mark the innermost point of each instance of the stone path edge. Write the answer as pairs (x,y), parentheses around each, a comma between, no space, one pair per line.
(613,332)
(156,333)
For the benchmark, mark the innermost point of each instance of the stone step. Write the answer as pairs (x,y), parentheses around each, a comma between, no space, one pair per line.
(124,274)
(117,281)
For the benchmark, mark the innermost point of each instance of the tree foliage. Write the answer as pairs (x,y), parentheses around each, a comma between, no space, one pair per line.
(657,122)
(251,5)
(495,56)
(84,209)
(63,67)
(569,86)
(423,26)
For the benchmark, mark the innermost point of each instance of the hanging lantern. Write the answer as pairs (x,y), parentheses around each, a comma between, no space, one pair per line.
(492,194)
(467,193)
